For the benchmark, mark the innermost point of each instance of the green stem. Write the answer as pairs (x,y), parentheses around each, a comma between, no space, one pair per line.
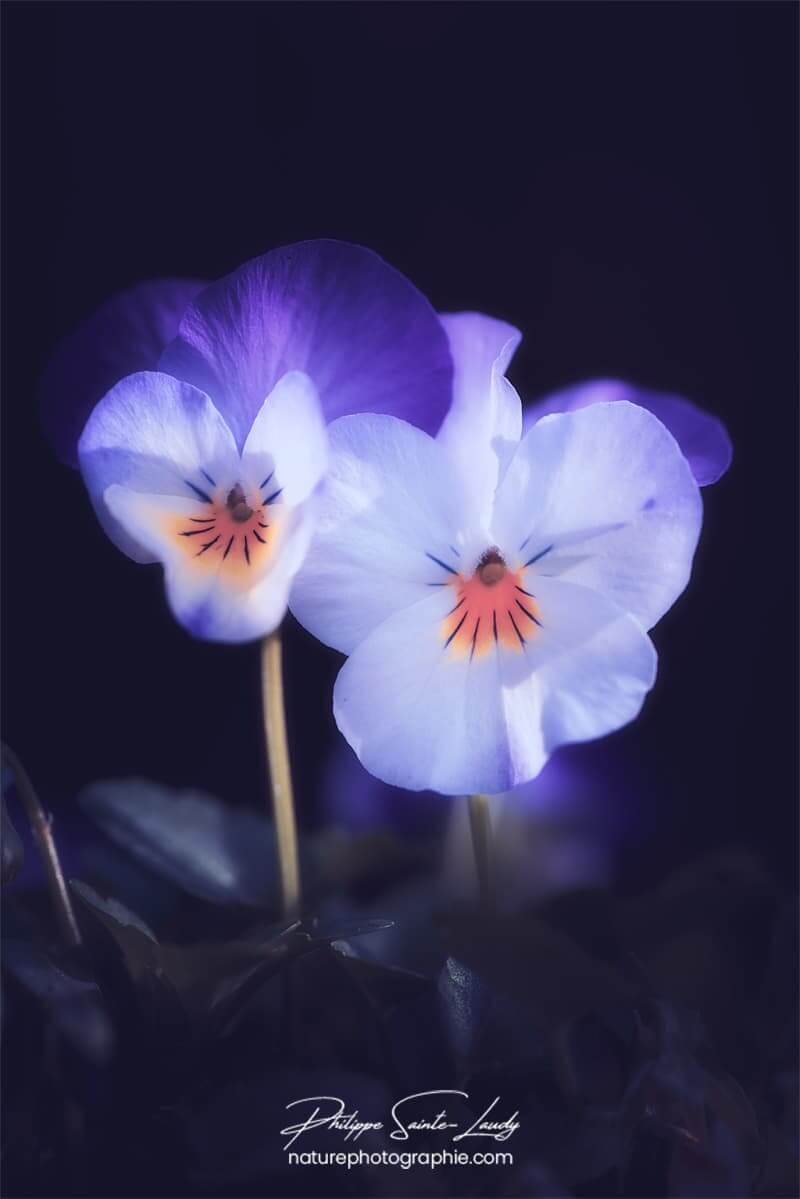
(280,773)
(42,826)
(481,829)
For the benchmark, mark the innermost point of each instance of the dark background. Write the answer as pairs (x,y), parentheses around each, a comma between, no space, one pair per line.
(617,179)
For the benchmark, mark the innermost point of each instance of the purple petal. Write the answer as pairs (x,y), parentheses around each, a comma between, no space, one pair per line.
(702,437)
(367,338)
(126,334)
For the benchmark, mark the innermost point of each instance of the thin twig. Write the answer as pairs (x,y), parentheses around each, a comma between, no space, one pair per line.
(481,829)
(42,825)
(280,773)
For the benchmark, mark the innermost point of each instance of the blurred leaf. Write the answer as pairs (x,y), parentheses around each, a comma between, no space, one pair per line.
(410,1025)
(115,912)
(524,958)
(411,941)
(125,960)
(333,929)
(465,1001)
(75,1004)
(217,853)
(136,942)
(207,981)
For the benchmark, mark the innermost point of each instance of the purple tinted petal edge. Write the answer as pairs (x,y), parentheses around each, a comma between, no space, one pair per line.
(368,339)
(703,437)
(124,335)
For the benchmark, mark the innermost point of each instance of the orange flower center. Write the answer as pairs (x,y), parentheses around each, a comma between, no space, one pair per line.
(234,536)
(492,609)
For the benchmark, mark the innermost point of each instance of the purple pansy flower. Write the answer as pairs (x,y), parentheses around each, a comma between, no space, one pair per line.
(209,464)
(702,437)
(494,591)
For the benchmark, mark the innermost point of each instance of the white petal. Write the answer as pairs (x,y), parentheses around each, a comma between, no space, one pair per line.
(154,434)
(389,499)
(416,717)
(249,615)
(585,673)
(603,497)
(289,435)
(419,717)
(216,596)
(484,424)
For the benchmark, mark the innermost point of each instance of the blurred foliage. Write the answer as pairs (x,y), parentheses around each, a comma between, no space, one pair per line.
(649,1042)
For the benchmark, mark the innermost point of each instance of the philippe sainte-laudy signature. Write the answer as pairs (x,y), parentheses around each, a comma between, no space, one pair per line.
(426,1111)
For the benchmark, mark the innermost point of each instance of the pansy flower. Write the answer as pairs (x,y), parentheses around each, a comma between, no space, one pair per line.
(702,436)
(209,464)
(493,591)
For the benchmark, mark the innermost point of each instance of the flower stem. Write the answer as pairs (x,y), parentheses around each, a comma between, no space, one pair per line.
(481,829)
(280,772)
(41,824)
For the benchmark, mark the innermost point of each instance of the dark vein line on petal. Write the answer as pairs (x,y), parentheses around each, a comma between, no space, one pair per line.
(516,628)
(455,630)
(207,546)
(451,570)
(536,557)
(528,614)
(205,498)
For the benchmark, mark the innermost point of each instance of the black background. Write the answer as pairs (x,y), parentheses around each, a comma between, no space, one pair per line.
(616,179)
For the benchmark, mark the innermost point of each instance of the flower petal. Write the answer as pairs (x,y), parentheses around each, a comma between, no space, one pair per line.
(702,437)
(152,433)
(220,588)
(366,337)
(484,424)
(605,498)
(126,334)
(419,717)
(289,431)
(389,501)
(592,666)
